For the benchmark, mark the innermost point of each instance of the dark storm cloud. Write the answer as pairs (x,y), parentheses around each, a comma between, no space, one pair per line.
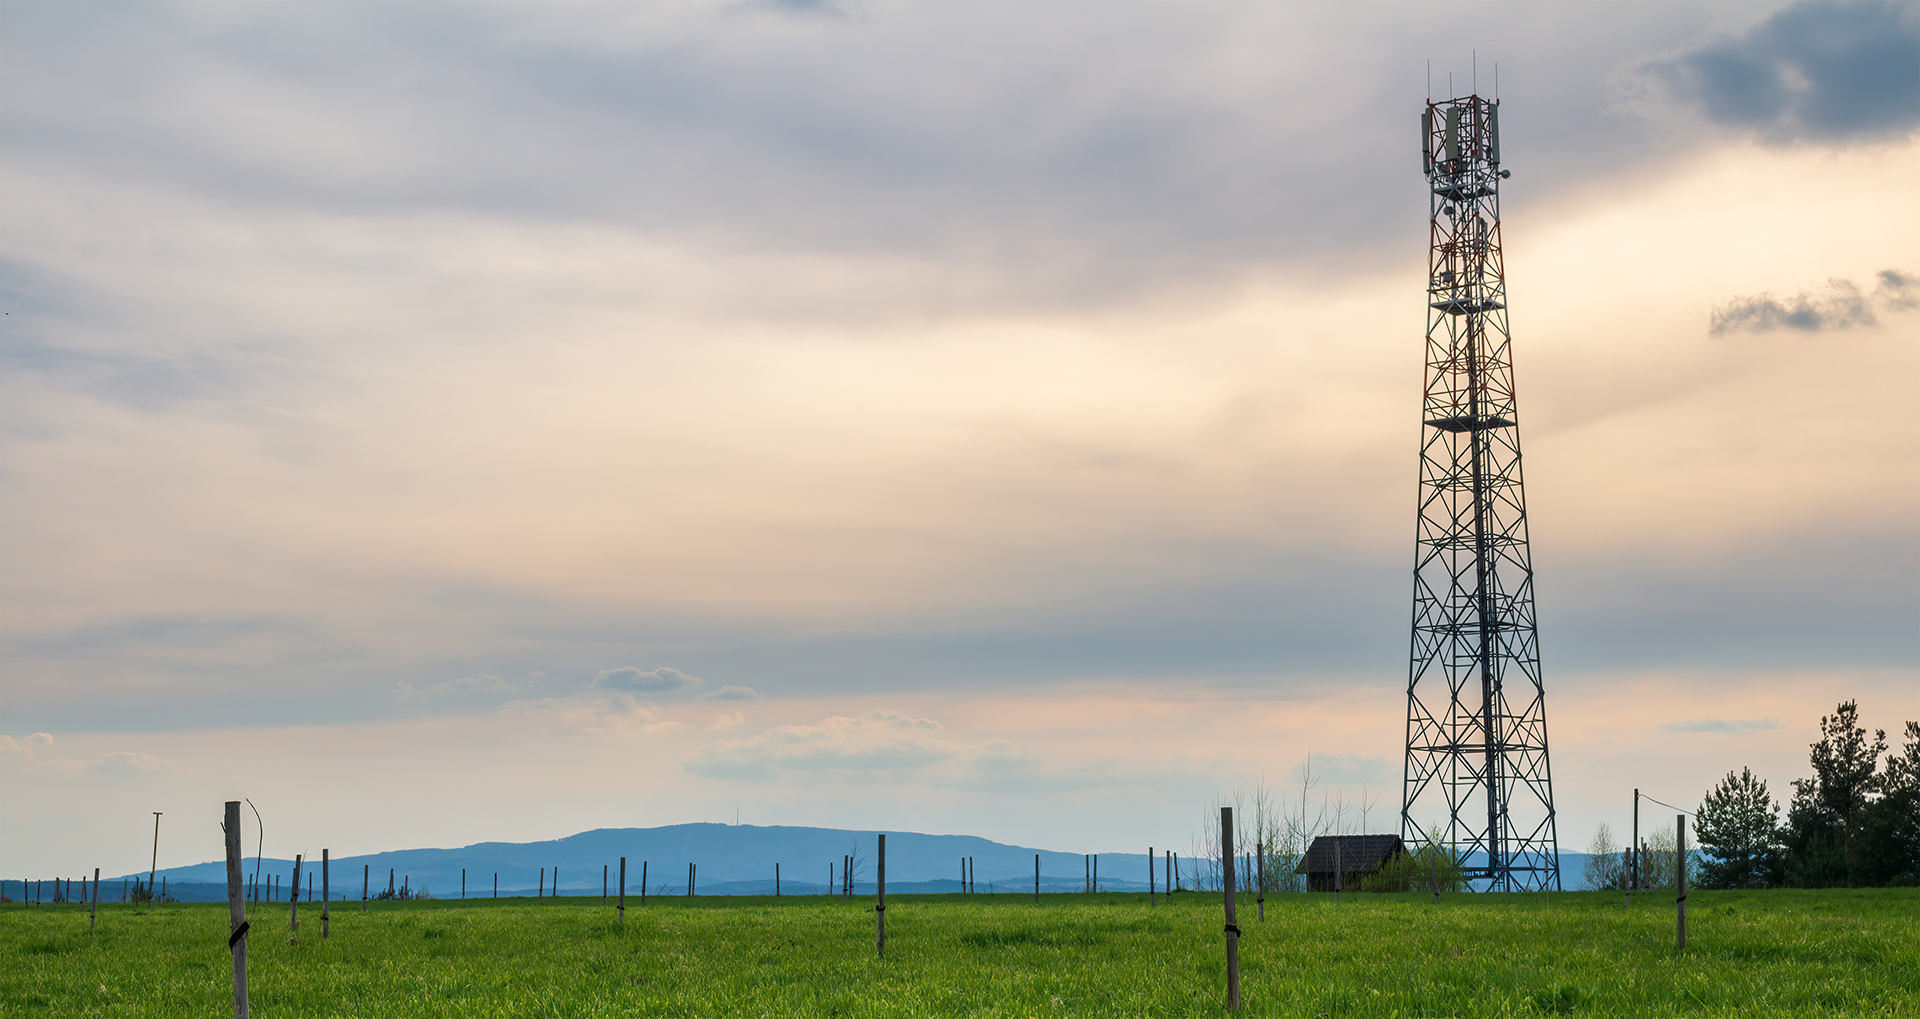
(1841,304)
(1823,72)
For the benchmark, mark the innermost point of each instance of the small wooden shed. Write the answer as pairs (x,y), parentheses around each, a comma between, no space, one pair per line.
(1353,855)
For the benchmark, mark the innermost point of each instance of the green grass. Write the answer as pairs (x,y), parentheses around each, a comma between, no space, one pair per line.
(1835,953)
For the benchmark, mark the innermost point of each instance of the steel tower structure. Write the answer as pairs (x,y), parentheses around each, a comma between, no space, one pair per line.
(1476,769)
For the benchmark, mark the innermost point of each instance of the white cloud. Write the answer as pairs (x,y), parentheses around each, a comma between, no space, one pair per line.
(24,748)
(733,721)
(30,752)
(731,693)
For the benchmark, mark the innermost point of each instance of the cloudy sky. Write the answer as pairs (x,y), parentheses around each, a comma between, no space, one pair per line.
(443,423)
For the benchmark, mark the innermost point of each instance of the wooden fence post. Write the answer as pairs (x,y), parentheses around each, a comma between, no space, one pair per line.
(96,900)
(236,911)
(1233,932)
(366,877)
(293,898)
(603,884)
(1096,872)
(973,878)
(1680,882)
(880,906)
(643,882)
(496,884)
(1150,889)
(156,860)
(1337,867)
(963,877)
(541,891)
(1260,873)
(326,891)
(690,876)
(463,884)
(623,890)
(776,880)
(1086,872)
(1036,878)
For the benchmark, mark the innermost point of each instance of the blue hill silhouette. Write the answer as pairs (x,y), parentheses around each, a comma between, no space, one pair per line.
(732,859)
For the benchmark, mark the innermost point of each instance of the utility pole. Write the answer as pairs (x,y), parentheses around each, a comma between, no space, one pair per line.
(1633,852)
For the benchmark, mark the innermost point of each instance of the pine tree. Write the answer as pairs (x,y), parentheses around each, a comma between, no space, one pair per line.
(1738,826)
(1888,849)
(1828,808)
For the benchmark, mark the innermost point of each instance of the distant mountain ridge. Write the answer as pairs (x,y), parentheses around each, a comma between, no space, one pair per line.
(731,859)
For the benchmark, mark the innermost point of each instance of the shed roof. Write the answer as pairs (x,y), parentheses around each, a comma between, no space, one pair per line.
(1356,853)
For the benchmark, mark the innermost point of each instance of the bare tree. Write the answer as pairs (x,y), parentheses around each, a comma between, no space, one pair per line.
(858,863)
(1605,869)
(1367,801)
(1277,830)
(1660,861)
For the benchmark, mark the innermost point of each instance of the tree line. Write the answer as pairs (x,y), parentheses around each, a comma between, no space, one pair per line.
(1853,823)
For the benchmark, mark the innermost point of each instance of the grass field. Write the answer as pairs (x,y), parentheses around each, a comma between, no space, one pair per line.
(1834,953)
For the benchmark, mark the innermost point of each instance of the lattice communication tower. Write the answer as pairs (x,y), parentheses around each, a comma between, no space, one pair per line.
(1477,781)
